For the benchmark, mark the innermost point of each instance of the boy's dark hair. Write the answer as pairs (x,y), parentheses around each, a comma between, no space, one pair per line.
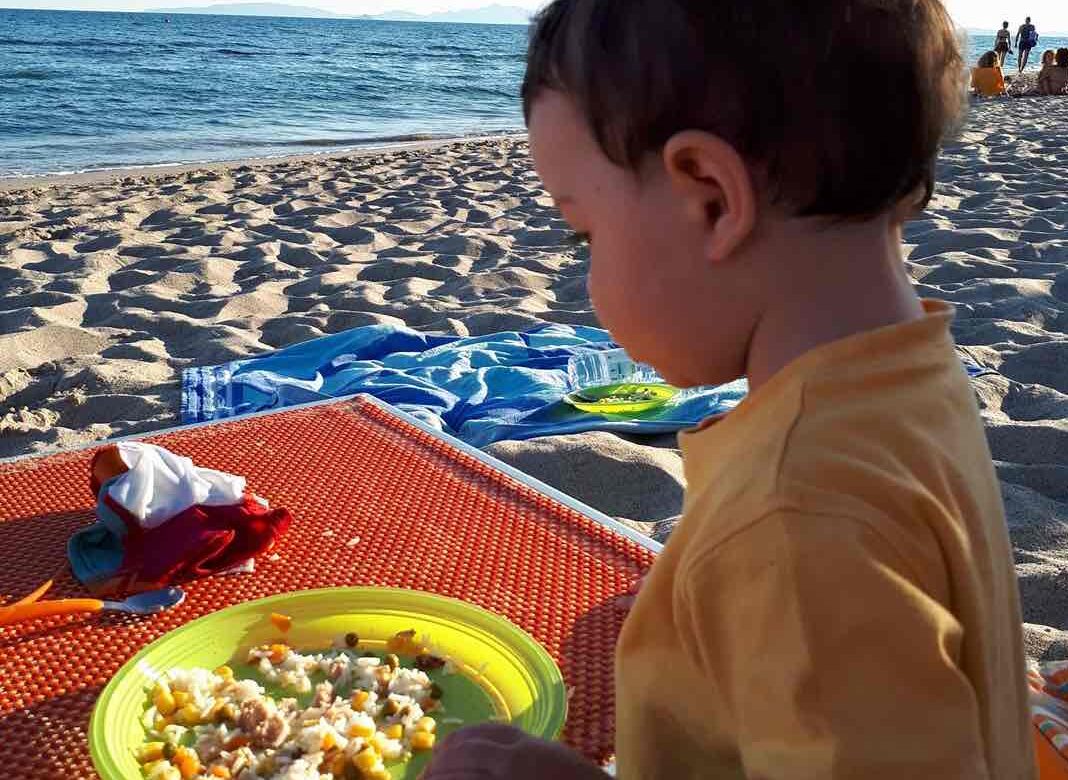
(1062,58)
(988,60)
(840,106)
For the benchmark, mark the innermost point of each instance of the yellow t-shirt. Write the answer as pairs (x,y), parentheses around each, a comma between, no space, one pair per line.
(839,600)
(988,82)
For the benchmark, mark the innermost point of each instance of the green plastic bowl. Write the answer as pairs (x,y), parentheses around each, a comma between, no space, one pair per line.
(623,398)
(504,674)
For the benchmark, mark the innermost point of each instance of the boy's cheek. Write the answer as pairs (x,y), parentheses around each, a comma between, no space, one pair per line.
(599,284)
(615,289)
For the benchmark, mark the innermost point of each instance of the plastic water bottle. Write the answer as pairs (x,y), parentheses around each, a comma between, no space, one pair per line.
(614,366)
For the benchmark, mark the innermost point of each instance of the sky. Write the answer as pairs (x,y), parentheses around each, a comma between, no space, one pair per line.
(1049,15)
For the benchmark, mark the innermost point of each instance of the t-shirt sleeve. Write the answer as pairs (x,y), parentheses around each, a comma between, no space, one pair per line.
(830,658)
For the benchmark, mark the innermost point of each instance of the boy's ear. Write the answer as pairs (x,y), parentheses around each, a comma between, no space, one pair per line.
(714,179)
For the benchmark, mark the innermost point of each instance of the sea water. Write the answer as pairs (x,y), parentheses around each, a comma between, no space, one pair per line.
(82,91)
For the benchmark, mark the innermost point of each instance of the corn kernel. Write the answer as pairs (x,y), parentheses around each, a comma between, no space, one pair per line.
(161,722)
(181,698)
(377,742)
(282,622)
(225,672)
(220,771)
(423,740)
(359,699)
(164,701)
(149,752)
(366,760)
(364,730)
(337,766)
(189,715)
(394,731)
(426,724)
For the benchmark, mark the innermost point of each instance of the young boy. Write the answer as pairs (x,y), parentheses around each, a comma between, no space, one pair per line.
(839,600)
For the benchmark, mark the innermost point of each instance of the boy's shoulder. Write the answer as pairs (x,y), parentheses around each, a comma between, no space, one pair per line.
(888,438)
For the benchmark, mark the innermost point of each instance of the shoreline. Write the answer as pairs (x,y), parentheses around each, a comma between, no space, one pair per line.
(155,172)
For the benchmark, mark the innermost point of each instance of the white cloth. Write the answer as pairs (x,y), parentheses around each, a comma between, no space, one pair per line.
(160,484)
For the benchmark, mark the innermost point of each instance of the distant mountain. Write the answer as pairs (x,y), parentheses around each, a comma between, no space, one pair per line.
(490,14)
(253,9)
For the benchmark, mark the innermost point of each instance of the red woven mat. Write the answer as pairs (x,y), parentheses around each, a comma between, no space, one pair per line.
(427,517)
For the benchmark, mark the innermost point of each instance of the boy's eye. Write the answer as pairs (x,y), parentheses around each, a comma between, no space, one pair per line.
(579,239)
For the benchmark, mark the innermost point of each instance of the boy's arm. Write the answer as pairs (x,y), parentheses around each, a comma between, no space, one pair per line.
(828,658)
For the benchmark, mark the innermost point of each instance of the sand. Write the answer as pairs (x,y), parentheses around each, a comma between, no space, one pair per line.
(110,285)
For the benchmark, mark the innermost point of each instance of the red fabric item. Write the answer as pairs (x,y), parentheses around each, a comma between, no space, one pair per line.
(1051,764)
(198,542)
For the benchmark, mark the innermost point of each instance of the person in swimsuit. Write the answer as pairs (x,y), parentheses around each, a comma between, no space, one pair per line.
(1002,43)
(1026,39)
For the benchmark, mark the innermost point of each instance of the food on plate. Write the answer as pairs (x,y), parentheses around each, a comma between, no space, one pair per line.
(282,622)
(343,713)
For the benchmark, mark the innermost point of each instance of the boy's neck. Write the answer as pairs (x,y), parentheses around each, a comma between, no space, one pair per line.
(828,284)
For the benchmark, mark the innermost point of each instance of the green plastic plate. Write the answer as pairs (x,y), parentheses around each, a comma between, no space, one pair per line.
(625,398)
(503,674)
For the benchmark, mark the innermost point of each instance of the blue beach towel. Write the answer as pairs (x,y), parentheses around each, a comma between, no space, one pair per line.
(480,389)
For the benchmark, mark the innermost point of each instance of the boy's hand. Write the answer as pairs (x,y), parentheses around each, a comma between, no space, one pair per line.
(499,752)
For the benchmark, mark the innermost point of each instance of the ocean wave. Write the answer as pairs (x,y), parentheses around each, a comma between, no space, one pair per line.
(240,53)
(27,74)
(336,143)
(74,43)
(492,92)
(451,47)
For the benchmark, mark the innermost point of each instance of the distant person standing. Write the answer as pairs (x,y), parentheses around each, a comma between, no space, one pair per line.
(1026,39)
(1002,43)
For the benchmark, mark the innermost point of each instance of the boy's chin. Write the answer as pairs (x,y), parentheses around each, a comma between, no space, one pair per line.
(679,370)
(685,377)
